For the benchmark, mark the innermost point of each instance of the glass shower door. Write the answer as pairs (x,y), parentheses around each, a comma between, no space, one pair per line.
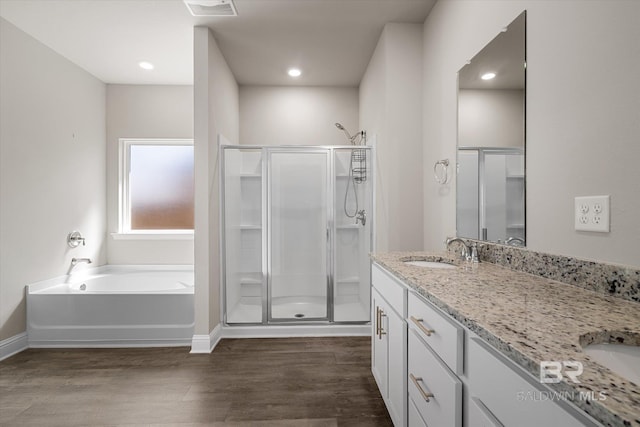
(298,235)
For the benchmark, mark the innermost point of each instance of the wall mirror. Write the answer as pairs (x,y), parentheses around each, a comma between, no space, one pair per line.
(490,192)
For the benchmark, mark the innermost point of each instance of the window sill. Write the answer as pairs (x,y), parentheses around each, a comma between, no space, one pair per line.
(178,235)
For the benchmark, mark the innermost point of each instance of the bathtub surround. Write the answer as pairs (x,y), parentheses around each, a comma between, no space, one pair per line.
(52,166)
(531,319)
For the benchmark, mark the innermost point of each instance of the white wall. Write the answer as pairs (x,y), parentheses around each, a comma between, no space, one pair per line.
(491,118)
(297,115)
(52,173)
(582,116)
(216,112)
(391,109)
(144,111)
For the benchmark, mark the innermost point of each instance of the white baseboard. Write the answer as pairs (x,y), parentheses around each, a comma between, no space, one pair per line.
(108,343)
(206,343)
(13,345)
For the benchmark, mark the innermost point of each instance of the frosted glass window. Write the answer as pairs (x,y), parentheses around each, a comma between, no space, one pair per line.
(160,187)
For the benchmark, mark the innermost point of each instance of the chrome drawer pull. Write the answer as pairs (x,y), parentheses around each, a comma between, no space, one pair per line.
(423,328)
(424,394)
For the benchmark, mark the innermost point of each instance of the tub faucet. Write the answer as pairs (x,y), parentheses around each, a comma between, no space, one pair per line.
(76,261)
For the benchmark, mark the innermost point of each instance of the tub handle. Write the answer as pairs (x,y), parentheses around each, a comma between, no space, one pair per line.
(74,239)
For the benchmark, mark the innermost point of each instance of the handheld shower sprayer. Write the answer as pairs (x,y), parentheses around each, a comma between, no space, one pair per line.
(346,132)
(357,172)
(353,138)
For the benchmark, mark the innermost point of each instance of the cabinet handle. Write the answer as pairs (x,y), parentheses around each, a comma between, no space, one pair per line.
(423,328)
(424,394)
(378,321)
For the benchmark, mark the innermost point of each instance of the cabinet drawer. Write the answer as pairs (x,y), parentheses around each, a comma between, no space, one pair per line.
(415,420)
(480,416)
(389,288)
(433,388)
(443,335)
(513,396)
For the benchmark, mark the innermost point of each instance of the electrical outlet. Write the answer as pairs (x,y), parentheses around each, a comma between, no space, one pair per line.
(591,213)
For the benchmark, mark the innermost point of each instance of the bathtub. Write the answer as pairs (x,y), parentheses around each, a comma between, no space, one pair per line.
(113,306)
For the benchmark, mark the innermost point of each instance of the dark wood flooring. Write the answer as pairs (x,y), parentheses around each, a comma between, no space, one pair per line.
(309,382)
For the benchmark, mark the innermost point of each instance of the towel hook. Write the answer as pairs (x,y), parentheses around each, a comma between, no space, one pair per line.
(441,173)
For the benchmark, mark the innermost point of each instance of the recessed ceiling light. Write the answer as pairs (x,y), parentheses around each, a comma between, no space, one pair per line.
(488,76)
(294,72)
(145,65)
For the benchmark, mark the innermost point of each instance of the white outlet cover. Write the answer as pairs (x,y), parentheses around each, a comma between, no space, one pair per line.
(592,213)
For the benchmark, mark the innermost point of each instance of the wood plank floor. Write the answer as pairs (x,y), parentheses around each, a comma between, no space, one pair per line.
(308,382)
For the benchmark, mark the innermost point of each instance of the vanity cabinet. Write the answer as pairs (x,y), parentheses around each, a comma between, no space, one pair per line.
(434,363)
(433,371)
(503,393)
(388,343)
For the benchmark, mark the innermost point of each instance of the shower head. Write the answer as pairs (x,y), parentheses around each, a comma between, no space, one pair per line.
(339,126)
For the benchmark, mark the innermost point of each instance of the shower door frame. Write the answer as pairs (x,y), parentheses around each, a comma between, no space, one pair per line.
(266,230)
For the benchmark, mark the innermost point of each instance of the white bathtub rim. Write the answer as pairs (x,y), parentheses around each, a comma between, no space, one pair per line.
(64,280)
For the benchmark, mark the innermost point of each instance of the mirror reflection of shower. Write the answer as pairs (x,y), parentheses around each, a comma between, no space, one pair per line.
(357,172)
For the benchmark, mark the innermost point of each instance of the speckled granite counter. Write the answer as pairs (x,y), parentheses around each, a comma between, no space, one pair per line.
(531,319)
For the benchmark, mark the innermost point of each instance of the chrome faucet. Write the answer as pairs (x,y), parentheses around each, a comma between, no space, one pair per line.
(469,251)
(515,241)
(76,261)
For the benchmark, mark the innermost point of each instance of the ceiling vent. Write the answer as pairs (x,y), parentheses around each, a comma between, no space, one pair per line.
(211,7)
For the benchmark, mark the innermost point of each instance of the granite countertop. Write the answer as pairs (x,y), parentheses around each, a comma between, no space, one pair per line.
(530,319)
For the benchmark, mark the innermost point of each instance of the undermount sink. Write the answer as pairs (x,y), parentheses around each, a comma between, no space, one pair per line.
(430,264)
(622,359)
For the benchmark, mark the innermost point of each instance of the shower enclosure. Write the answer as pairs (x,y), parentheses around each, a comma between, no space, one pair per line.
(296,234)
(491,194)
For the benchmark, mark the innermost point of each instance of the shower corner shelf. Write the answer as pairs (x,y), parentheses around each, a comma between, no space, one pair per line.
(344,280)
(251,175)
(348,227)
(250,227)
